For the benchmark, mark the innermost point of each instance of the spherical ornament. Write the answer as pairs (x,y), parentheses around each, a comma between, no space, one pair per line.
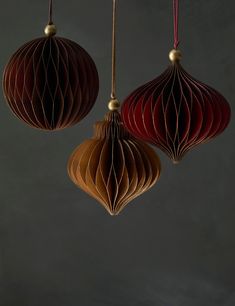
(175,111)
(51,83)
(114,167)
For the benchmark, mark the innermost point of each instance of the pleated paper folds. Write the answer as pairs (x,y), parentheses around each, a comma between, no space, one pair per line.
(51,83)
(175,112)
(114,167)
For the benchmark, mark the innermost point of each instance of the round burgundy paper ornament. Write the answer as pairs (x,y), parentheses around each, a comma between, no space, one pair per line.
(175,111)
(51,83)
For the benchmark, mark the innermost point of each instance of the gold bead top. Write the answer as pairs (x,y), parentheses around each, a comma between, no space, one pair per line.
(50,30)
(113,105)
(175,55)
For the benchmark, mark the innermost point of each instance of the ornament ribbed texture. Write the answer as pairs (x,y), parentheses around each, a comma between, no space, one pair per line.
(114,167)
(175,112)
(51,83)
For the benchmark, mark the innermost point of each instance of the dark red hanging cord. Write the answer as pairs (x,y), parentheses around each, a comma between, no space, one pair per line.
(176,23)
(113,90)
(50,12)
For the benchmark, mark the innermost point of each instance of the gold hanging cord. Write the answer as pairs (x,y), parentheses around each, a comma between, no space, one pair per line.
(114,104)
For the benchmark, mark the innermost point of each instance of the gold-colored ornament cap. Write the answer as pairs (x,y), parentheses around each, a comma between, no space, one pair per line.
(175,55)
(50,30)
(113,105)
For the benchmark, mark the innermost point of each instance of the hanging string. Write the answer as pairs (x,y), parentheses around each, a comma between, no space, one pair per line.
(50,12)
(176,23)
(50,29)
(113,89)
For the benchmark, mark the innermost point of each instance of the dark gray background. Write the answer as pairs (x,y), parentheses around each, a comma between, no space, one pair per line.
(173,246)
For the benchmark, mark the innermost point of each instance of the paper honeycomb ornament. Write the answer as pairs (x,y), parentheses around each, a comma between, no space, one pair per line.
(175,111)
(51,83)
(113,166)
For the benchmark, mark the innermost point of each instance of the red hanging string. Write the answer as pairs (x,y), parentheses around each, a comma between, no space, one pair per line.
(50,12)
(113,89)
(176,23)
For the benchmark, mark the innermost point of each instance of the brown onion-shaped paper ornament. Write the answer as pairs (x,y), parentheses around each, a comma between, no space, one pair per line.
(175,111)
(51,83)
(113,166)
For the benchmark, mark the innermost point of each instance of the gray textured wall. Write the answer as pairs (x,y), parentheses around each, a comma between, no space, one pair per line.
(175,245)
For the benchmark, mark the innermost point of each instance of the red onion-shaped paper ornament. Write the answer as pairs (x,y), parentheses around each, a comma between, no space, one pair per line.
(113,166)
(51,83)
(175,111)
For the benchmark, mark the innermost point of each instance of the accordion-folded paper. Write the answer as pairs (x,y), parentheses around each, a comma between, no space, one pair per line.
(113,166)
(175,112)
(51,83)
